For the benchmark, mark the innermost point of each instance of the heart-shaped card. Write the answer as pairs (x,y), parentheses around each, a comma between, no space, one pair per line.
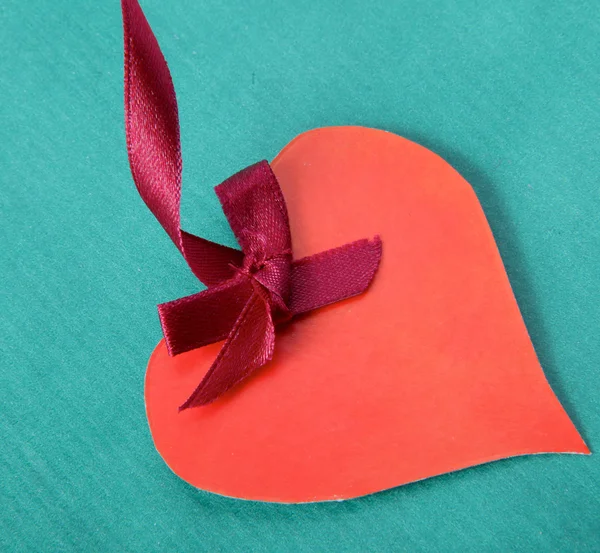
(428,370)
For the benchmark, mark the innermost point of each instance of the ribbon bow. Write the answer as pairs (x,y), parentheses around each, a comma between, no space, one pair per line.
(251,290)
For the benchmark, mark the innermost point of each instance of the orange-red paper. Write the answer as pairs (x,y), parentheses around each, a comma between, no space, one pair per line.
(430,371)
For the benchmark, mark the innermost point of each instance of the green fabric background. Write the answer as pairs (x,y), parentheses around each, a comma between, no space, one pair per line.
(508,92)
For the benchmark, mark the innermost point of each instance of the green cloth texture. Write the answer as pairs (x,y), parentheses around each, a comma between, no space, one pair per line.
(508,92)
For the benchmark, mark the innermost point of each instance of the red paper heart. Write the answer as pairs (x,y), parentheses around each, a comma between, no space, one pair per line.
(430,371)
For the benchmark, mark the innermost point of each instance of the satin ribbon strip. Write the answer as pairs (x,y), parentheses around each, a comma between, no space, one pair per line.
(251,290)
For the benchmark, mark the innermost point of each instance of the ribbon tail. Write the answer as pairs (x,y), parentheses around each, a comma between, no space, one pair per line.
(250,345)
(151,121)
(203,318)
(333,275)
(212,263)
(154,148)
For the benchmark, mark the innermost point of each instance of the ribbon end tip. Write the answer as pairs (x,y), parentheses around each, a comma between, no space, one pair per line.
(195,401)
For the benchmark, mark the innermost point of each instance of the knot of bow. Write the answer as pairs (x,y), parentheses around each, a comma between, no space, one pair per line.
(251,290)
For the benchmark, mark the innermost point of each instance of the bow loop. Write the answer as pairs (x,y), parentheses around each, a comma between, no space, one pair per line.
(254,206)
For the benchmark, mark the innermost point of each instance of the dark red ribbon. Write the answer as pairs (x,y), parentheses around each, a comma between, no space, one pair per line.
(249,291)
